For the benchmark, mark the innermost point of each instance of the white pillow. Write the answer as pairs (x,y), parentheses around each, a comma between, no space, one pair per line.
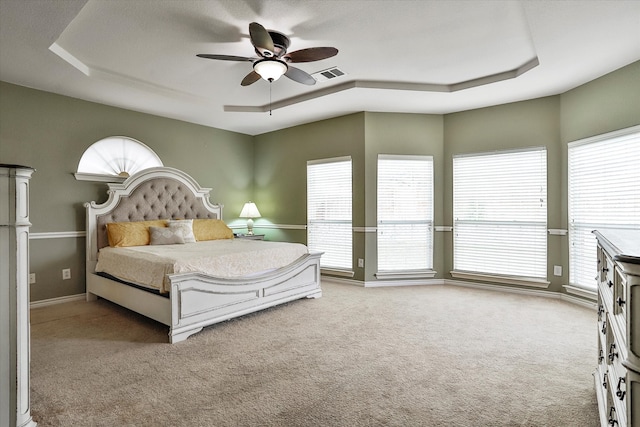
(183,227)
(164,236)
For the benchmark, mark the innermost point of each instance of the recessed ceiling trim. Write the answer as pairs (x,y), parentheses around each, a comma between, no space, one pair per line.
(291,101)
(385,85)
(70,59)
(493,78)
(119,78)
(135,83)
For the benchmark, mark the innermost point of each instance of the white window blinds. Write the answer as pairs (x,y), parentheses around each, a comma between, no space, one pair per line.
(117,156)
(500,213)
(604,192)
(329,211)
(405,213)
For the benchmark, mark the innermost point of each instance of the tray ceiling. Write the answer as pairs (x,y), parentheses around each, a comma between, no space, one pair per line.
(398,56)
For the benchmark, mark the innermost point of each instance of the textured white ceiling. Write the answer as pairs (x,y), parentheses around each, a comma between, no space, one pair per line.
(399,56)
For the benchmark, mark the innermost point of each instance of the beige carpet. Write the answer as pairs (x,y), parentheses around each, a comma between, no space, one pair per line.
(411,356)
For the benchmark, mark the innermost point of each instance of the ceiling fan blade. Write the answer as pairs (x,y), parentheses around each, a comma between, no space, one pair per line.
(261,40)
(250,78)
(300,76)
(311,54)
(225,57)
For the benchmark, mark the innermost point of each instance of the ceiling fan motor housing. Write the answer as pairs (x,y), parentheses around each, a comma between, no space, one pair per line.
(280,43)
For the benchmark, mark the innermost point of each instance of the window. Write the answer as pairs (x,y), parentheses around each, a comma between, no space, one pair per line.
(405,213)
(500,214)
(329,211)
(604,192)
(115,158)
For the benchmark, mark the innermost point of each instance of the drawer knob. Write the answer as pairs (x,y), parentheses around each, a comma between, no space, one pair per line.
(605,269)
(612,353)
(604,327)
(620,393)
(620,301)
(604,380)
(601,357)
(610,283)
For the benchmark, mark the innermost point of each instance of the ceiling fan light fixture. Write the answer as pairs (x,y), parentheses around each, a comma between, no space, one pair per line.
(270,69)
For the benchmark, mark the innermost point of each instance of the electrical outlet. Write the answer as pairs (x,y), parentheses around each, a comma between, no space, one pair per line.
(32,278)
(360,262)
(557,270)
(66,274)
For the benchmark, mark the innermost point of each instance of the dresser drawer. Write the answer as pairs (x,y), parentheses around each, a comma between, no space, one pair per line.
(620,298)
(614,418)
(606,278)
(623,387)
(606,267)
(633,322)
(618,381)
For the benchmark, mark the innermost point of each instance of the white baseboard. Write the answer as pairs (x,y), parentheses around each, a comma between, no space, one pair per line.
(579,301)
(383,283)
(342,281)
(498,288)
(413,282)
(501,288)
(524,291)
(59,300)
(392,283)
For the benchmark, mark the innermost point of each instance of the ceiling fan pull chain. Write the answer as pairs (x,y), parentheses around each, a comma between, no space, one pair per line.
(270,97)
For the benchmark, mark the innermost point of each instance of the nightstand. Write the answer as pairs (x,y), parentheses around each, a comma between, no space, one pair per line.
(249,236)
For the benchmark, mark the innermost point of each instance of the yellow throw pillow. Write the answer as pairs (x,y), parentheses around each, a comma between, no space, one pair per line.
(135,233)
(211,229)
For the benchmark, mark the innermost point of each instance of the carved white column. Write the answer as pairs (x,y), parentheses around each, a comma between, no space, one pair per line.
(15,408)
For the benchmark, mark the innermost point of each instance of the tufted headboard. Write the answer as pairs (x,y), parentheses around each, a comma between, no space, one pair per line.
(156,193)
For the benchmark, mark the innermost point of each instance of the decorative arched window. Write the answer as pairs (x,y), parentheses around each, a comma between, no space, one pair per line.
(115,158)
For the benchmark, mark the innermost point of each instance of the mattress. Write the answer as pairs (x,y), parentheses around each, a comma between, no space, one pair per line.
(149,266)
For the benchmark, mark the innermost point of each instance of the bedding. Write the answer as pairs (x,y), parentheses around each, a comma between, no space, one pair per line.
(150,266)
(172,201)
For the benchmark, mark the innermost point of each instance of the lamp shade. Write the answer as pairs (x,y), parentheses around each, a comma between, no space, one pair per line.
(250,210)
(270,69)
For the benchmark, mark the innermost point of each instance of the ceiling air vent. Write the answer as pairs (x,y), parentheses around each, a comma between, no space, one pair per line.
(328,74)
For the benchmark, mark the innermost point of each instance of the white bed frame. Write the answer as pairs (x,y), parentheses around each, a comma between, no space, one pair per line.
(196,300)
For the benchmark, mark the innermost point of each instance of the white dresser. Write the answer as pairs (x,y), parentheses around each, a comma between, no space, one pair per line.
(617,377)
(15,409)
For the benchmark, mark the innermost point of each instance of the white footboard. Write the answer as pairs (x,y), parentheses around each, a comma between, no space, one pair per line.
(198,300)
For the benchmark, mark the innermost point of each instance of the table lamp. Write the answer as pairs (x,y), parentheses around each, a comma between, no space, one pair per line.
(250,211)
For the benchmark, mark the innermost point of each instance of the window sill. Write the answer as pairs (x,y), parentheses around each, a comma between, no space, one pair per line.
(98,178)
(590,294)
(509,280)
(409,274)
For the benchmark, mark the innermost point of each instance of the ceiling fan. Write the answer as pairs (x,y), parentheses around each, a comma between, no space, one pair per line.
(273,60)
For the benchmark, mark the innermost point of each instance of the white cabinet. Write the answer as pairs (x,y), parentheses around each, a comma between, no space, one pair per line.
(15,409)
(617,376)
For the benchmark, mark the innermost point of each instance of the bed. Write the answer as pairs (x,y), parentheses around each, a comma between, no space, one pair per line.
(188,300)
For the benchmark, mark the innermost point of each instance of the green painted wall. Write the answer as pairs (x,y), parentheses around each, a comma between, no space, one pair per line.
(50,132)
(413,134)
(603,105)
(281,171)
(534,123)
(608,103)
(281,157)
